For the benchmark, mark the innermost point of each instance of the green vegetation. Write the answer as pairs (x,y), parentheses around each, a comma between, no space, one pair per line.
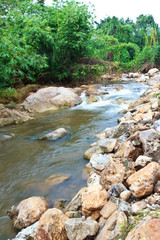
(50,44)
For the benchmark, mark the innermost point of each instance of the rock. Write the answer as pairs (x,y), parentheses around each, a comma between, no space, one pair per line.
(134,75)
(76,202)
(121,205)
(74,214)
(26,233)
(116,190)
(58,133)
(108,209)
(93,150)
(91,99)
(141,183)
(152,72)
(28,212)
(111,229)
(137,207)
(51,98)
(94,179)
(107,145)
(79,229)
(93,200)
(157,187)
(98,161)
(60,204)
(112,174)
(125,195)
(142,161)
(51,226)
(148,229)
(11,116)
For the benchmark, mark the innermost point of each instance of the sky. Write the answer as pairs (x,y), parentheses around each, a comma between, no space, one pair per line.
(124,8)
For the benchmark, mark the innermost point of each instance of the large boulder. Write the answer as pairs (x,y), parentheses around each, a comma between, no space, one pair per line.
(58,133)
(28,211)
(51,226)
(51,98)
(79,229)
(142,183)
(153,71)
(93,200)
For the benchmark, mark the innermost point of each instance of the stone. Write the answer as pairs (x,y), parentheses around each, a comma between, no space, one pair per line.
(107,145)
(79,229)
(98,161)
(12,116)
(116,190)
(54,179)
(148,229)
(28,212)
(137,207)
(121,205)
(76,202)
(125,195)
(142,161)
(58,133)
(111,229)
(51,226)
(93,200)
(91,99)
(142,182)
(94,179)
(93,150)
(144,108)
(51,98)
(134,75)
(152,72)
(108,209)
(74,214)
(113,173)
(27,233)
(157,187)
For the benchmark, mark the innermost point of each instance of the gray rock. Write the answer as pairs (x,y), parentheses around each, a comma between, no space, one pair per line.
(121,205)
(76,202)
(60,132)
(98,161)
(27,232)
(93,150)
(116,190)
(142,161)
(79,229)
(107,145)
(93,179)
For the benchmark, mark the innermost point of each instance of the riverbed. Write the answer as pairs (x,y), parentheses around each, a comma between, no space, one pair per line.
(30,166)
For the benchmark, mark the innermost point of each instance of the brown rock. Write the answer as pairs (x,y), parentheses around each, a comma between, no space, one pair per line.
(108,209)
(51,226)
(142,182)
(28,211)
(138,206)
(148,229)
(125,195)
(91,99)
(93,200)
(113,173)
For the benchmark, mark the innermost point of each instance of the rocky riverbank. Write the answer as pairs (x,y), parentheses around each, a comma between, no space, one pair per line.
(121,200)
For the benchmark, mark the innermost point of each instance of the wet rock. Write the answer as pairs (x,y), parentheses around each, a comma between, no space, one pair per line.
(125,195)
(147,229)
(11,116)
(142,161)
(53,180)
(107,145)
(51,98)
(137,207)
(98,161)
(79,229)
(91,99)
(93,150)
(142,182)
(76,202)
(58,133)
(111,229)
(93,200)
(51,226)
(134,75)
(113,173)
(152,72)
(28,211)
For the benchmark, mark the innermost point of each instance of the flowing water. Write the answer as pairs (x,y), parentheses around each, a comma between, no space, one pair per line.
(30,167)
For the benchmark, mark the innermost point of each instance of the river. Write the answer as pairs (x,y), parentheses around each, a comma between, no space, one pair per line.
(26,162)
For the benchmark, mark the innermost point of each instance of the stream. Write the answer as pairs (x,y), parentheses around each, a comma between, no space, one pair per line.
(30,167)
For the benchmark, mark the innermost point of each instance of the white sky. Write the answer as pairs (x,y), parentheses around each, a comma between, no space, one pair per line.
(124,8)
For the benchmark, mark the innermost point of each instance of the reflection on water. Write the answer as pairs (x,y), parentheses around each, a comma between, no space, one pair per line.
(26,162)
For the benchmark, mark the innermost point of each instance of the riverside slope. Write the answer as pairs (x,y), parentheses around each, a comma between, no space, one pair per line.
(111,194)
